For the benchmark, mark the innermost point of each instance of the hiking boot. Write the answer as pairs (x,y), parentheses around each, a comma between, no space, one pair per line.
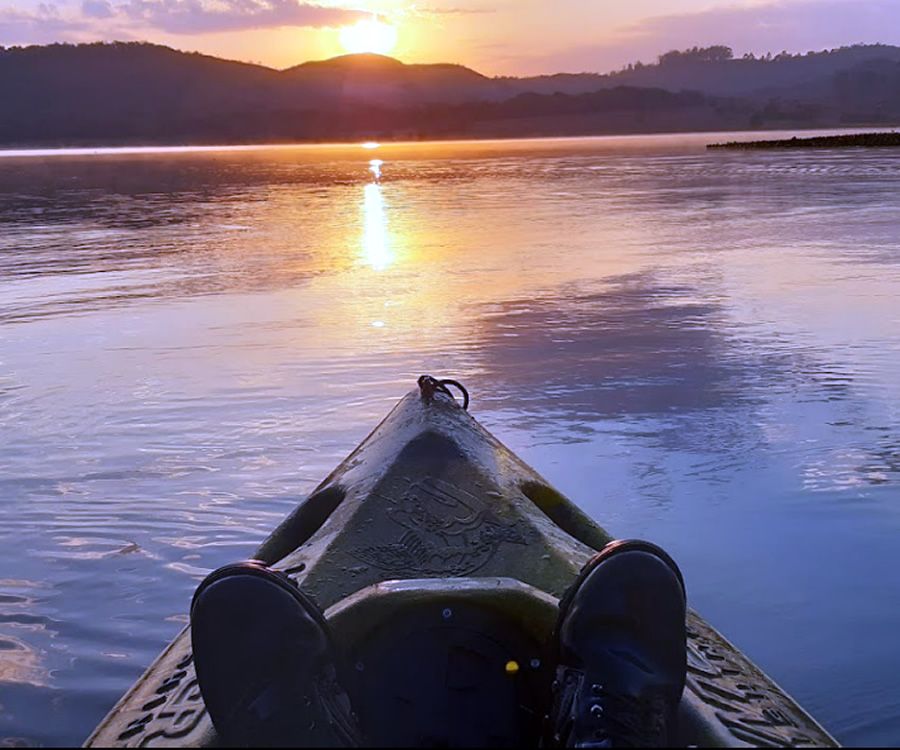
(621,641)
(265,663)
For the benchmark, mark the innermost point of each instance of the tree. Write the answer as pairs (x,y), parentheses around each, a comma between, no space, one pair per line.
(716,53)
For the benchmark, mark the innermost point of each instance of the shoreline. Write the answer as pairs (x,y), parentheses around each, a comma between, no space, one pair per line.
(856,140)
(149,148)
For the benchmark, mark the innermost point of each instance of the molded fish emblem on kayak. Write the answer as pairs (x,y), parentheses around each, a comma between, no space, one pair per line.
(448,531)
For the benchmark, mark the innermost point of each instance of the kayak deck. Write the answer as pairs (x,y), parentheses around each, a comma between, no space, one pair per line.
(433,544)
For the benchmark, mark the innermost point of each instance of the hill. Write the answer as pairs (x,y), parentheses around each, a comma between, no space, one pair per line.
(386,81)
(115,92)
(715,71)
(142,93)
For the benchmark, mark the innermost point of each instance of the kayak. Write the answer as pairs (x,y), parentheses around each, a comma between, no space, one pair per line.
(439,558)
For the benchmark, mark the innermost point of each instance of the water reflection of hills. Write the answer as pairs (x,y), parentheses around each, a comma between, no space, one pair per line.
(666,365)
(640,347)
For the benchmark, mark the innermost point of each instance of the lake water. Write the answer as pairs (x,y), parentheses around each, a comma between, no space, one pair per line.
(700,348)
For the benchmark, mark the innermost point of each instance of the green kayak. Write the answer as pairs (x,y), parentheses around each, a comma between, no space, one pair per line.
(435,551)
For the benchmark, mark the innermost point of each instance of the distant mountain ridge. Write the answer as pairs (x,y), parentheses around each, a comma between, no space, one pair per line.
(714,70)
(136,92)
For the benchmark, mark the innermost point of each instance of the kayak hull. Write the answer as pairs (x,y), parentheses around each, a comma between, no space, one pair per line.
(433,542)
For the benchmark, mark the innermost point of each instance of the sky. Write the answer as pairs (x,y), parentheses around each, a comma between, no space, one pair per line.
(496,37)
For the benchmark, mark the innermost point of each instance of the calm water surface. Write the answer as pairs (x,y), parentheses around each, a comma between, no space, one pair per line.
(699,348)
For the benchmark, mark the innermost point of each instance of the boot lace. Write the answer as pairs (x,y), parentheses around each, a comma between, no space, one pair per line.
(591,715)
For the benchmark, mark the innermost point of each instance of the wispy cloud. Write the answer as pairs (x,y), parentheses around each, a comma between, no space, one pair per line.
(97,9)
(43,25)
(103,19)
(197,17)
(793,25)
(797,24)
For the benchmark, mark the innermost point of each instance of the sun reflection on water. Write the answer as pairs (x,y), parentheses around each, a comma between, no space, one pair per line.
(376,242)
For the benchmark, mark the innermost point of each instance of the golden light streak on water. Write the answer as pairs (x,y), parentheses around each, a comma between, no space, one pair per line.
(376,239)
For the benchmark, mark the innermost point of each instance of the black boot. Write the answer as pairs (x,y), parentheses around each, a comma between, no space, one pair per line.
(621,643)
(265,664)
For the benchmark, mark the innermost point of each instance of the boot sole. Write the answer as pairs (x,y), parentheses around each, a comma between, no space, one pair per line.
(610,550)
(261,570)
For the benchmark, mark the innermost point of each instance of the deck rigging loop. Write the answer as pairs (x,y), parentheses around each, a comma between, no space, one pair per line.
(429,386)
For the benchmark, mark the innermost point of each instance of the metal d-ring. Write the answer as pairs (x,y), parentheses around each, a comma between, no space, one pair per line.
(429,386)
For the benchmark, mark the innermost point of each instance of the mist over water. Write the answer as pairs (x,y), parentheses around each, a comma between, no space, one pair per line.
(700,348)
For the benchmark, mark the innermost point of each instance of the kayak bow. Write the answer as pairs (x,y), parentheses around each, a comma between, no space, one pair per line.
(433,548)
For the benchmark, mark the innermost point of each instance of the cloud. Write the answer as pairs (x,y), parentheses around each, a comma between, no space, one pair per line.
(41,26)
(104,20)
(97,9)
(197,17)
(792,25)
(799,25)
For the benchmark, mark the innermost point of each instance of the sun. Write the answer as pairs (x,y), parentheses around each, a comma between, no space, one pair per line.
(370,35)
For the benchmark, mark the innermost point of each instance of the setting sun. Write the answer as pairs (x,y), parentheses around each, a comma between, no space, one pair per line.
(370,35)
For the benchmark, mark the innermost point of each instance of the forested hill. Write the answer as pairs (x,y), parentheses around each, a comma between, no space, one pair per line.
(143,93)
(715,70)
